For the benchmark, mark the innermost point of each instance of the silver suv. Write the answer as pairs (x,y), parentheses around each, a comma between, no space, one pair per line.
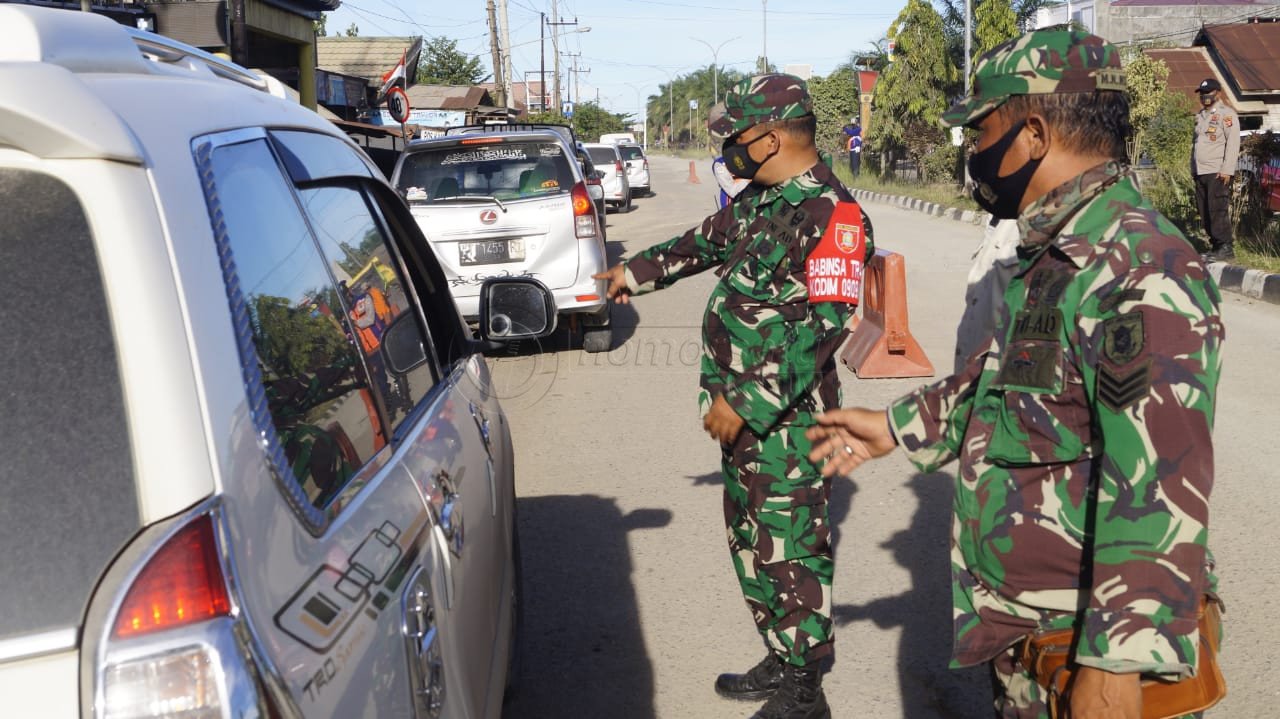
(510,201)
(245,474)
(637,168)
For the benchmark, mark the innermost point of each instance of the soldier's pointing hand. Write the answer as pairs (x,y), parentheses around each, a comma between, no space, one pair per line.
(618,291)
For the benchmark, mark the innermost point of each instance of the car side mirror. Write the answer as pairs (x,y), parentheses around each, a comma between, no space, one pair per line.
(598,175)
(402,345)
(515,308)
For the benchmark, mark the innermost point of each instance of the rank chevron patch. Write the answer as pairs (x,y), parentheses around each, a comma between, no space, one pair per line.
(1118,390)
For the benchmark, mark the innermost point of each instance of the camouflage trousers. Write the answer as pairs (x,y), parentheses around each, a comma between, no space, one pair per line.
(1018,696)
(775,510)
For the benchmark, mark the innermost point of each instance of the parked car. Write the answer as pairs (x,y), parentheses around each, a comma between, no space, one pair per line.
(612,138)
(617,191)
(510,201)
(637,168)
(595,185)
(236,477)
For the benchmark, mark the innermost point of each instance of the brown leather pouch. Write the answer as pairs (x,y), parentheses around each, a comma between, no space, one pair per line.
(1047,656)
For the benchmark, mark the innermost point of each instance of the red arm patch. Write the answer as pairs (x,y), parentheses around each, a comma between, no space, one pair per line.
(833,270)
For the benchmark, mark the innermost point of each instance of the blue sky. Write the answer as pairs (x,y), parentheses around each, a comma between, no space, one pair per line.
(635,45)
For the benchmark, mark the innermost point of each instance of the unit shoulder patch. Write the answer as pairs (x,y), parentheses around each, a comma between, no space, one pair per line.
(1123,338)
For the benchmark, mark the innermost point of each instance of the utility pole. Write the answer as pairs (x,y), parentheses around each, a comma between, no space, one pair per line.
(577,75)
(542,59)
(496,52)
(555,47)
(508,101)
(764,46)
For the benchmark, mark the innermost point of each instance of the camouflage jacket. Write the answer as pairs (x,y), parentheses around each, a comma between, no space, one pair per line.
(1083,436)
(765,347)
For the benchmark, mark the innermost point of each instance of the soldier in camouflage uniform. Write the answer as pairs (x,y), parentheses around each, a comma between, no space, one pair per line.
(1083,433)
(789,255)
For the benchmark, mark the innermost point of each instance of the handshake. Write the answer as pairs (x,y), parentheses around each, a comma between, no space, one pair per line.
(845,438)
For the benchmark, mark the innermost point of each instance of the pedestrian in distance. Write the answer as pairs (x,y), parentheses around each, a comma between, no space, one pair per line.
(790,260)
(853,143)
(1084,434)
(1214,157)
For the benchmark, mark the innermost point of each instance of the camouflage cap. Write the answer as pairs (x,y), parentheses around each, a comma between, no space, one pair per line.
(1043,62)
(758,99)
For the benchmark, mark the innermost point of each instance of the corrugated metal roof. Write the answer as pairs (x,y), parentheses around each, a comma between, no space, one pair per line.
(367,57)
(1250,53)
(449,97)
(1188,67)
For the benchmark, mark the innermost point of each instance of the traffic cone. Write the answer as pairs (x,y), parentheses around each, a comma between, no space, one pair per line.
(881,345)
(693,174)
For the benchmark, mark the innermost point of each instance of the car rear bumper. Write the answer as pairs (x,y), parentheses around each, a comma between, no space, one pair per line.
(584,297)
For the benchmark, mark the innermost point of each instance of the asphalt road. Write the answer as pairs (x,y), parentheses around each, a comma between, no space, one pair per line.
(631,603)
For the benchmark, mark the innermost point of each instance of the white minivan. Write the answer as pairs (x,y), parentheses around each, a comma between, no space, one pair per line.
(617,188)
(238,466)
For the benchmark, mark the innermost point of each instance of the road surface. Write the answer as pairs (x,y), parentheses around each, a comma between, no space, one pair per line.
(631,603)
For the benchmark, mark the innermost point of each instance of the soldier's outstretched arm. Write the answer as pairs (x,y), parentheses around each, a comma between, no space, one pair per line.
(1151,367)
(845,438)
(700,248)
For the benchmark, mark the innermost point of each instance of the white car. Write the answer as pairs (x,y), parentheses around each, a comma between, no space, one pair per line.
(510,201)
(236,476)
(637,168)
(608,159)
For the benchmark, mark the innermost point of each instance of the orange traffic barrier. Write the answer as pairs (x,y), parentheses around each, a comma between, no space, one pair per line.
(882,345)
(693,175)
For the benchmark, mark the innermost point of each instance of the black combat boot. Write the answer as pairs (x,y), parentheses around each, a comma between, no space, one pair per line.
(760,681)
(799,696)
(1222,253)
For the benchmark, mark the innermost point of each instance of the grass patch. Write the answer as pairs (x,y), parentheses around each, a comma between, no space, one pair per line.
(1257,261)
(945,194)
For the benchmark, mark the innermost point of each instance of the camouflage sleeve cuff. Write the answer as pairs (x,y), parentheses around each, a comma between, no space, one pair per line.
(634,285)
(917,433)
(1125,642)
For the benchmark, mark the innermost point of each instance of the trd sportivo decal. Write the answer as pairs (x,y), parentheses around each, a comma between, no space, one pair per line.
(324,608)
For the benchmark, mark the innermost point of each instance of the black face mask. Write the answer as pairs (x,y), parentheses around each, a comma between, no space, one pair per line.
(738,161)
(1000,195)
(1206,99)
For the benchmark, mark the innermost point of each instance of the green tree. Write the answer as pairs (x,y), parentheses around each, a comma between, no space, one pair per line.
(674,97)
(1146,79)
(352,30)
(913,92)
(320,24)
(876,57)
(994,22)
(443,64)
(835,100)
(590,121)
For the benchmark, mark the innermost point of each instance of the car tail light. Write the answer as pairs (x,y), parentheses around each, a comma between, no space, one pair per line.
(584,216)
(617,165)
(180,585)
(178,684)
(646,164)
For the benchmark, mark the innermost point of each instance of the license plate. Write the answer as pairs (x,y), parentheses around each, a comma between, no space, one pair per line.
(490,252)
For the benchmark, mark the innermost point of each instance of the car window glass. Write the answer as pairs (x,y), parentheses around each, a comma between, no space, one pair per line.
(356,248)
(505,170)
(317,390)
(631,152)
(310,156)
(603,155)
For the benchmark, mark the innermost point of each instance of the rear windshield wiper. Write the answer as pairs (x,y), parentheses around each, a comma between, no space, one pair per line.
(463,198)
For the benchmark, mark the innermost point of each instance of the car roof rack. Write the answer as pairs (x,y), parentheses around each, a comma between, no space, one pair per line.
(43,50)
(564,131)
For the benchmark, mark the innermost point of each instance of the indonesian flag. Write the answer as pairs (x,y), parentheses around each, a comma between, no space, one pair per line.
(398,75)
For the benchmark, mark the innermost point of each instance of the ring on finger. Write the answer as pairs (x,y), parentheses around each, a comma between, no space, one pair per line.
(848,450)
